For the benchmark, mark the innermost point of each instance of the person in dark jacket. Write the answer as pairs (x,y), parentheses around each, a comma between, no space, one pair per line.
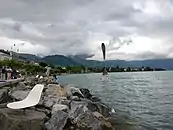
(14,74)
(3,73)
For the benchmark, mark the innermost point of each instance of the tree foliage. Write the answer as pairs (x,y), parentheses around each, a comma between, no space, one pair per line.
(43,64)
(28,68)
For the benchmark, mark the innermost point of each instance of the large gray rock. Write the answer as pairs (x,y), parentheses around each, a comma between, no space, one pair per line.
(27,83)
(105,124)
(30,81)
(93,106)
(18,120)
(65,102)
(86,93)
(52,100)
(47,102)
(73,91)
(95,99)
(57,121)
(4,97)
(75,98)
(21,86)
(86,120)
(75,104)
(104,109)
(19,94)
(59,107)
(56,90)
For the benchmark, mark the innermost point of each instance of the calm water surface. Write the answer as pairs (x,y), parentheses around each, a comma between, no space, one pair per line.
(142,100)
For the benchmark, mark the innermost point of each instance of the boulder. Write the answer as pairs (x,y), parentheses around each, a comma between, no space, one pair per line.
(19,94)
(65,102)
(84,119)
(57,121)
(92,106)
(95,99)
(104,109)
(43,109)
(105,124)
(4,97)
(75,104)
(47,102)
(86,93)
(28,82)
(59,107)
(31,81)
(56,90)
(74,91)
(21,85)
(78,95)
(75,98)
(18,120)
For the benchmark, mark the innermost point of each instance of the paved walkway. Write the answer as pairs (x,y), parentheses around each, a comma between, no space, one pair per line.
(10,82)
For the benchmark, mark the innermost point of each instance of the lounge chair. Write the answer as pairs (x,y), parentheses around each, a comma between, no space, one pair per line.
(32,99)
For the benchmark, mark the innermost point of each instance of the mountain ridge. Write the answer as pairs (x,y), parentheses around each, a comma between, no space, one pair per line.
(76,60)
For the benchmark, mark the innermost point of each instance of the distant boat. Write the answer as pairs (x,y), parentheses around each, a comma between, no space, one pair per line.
(104,58)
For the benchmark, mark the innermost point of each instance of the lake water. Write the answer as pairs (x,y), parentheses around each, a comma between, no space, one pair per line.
(142,100)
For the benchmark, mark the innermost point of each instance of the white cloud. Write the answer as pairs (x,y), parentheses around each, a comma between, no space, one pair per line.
(77,27)
(22,46)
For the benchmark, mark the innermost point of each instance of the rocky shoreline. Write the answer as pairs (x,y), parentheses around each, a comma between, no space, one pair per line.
(62,107)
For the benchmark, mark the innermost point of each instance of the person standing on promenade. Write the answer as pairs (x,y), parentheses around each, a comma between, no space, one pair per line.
(8,73)
(3,73)
(0,73)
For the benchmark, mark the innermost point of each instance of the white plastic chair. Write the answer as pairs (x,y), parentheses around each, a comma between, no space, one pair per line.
(32,99)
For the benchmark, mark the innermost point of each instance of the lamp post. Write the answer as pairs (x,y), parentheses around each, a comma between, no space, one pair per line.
(15,50)
(11,52)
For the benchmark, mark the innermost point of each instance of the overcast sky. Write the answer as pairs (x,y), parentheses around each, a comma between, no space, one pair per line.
(131,29)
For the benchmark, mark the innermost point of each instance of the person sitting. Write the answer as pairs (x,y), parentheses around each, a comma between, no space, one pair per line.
(54,78)
(14,74)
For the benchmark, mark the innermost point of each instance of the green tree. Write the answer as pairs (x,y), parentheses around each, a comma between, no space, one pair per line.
(117,68)
(128,69)
(43,64)
(76,69)
(148,69)
(12,63)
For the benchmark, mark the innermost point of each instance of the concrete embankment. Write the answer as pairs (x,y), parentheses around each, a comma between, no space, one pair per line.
(60,108)
(10,82)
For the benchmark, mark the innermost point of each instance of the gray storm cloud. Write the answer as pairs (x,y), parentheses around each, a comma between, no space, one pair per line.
(79,27)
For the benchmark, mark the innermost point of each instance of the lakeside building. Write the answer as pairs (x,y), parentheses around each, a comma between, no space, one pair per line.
(4,55)
(9,55)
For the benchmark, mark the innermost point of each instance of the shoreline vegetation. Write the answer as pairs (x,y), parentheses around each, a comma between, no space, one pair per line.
(32,68)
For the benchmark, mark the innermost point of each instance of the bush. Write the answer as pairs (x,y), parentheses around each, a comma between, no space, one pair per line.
(24,67)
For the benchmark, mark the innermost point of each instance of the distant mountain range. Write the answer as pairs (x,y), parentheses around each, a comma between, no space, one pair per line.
(81,60)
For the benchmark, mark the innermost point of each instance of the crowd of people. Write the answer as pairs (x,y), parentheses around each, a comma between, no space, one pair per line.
(50,77)
(7,73)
